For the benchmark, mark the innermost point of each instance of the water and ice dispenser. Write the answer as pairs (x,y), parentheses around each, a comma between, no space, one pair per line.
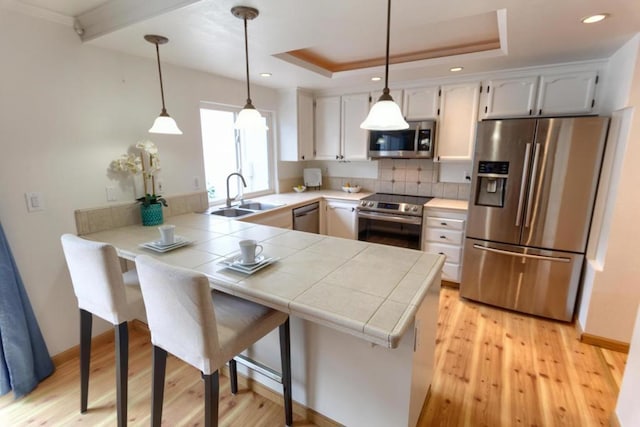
(492,183)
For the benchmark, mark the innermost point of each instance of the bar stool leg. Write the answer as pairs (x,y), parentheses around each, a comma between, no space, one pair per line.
(157,396)
(233,376)
(122,370)
(285,357)
(86,320)
(211,395)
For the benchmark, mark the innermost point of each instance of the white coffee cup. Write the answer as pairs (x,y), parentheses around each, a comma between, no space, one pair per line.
(167,234)
(249,250)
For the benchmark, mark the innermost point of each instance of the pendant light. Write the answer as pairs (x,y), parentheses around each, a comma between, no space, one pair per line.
(164,123)
(249,117)
(385,114)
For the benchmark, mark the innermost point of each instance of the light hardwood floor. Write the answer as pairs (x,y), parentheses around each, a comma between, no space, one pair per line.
(493,368)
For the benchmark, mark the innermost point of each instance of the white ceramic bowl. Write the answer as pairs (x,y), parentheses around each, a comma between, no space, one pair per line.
(355,189)
(299,190)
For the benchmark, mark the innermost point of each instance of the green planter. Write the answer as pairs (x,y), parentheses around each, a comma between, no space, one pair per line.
(152,214)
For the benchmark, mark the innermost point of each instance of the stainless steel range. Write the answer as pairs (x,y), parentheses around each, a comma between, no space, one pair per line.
(392,219)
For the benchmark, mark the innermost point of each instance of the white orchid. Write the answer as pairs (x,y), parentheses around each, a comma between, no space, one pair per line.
(148,146)
(148,165)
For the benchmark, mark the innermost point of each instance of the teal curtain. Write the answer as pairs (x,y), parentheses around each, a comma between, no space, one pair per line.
(24,358)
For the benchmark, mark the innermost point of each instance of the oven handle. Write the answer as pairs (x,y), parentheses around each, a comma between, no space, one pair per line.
(391,218)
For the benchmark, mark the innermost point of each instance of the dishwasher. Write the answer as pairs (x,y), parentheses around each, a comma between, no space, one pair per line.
(307,218)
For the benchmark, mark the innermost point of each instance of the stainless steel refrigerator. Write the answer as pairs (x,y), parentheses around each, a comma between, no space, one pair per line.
(532,194)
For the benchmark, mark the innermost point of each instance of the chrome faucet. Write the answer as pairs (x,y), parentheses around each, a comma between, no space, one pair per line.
(229,199)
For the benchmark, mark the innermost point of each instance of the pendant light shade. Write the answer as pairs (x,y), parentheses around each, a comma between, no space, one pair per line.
(385,114)
(164,123)
(249,117)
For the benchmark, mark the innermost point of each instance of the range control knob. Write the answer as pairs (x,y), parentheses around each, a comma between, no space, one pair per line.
(363,203)
(370,204)
(414,209)
(406,208)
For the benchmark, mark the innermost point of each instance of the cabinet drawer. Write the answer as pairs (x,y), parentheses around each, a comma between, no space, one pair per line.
(451,272)
(453,224)
(444,236)
(451,252)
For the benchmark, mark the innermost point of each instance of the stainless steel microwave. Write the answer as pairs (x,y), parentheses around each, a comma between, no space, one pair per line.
(417,142)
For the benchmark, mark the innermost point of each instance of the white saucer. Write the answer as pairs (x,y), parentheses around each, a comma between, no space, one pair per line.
(258,260)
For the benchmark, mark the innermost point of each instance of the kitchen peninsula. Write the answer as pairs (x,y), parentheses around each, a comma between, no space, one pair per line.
(363,316)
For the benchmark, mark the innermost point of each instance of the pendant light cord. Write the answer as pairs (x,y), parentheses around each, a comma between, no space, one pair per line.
(386,67)
(164,110)
(246,55)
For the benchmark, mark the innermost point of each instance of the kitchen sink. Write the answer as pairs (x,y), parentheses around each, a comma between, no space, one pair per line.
(232,212)
(258,206)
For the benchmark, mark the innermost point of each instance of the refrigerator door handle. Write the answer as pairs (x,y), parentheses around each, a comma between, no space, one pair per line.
(523,183)
(519,255)
(534,176)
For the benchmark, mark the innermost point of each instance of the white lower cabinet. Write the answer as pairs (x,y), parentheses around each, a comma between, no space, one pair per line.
(341,219)
(443,233)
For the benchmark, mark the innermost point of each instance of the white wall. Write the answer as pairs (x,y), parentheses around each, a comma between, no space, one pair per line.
(67,110)
(611,293)
(627,410)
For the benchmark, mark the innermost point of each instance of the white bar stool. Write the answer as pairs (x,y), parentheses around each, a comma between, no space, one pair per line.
(102,290)
(205,329)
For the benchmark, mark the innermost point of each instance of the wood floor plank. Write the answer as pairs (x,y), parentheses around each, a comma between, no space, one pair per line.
(492,368)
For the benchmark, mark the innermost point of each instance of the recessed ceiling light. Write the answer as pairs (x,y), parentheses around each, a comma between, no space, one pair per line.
(456,69)
(265,74)
(595,18)
(376,79)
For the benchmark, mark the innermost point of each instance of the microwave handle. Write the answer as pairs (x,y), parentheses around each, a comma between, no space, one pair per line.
(416,137)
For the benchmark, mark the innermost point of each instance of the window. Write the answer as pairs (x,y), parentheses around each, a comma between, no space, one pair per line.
(227,150)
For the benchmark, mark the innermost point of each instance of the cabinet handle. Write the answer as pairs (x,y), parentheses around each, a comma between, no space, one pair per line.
(337,157)
(540,112)
(303,157)
(353,209)
(443,223)
(441,253)
(443,237)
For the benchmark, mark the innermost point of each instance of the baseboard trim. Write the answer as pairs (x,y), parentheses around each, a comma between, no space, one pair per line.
(603,342)
(74,352)
(449,284)
(613,420)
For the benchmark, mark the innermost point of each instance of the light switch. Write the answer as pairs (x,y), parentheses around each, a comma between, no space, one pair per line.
(111,194)
(35,201)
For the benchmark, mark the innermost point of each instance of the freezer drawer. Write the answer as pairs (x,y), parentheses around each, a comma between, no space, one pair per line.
(534,281)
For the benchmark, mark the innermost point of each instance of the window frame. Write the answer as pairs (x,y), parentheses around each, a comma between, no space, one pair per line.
(271,148)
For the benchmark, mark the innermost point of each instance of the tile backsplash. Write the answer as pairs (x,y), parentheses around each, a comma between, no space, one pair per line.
(414,177)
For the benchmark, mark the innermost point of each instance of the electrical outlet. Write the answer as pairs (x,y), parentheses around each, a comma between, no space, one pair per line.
(35,201)
(160,185)
(196,183)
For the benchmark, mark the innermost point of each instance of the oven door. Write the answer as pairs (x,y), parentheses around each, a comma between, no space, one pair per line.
(390,229)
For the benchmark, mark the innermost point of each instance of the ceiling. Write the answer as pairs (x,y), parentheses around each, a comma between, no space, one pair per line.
(340,43)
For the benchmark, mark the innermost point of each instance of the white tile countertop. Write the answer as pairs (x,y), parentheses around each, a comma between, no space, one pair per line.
(458,205)
(367,290)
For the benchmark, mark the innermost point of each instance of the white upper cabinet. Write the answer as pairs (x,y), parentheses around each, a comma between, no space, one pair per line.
(567,93)
(296,125)
(327,127)
(337,127)
(355,108)
(512,97)
(420,103)
(549,94)
(456,127)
